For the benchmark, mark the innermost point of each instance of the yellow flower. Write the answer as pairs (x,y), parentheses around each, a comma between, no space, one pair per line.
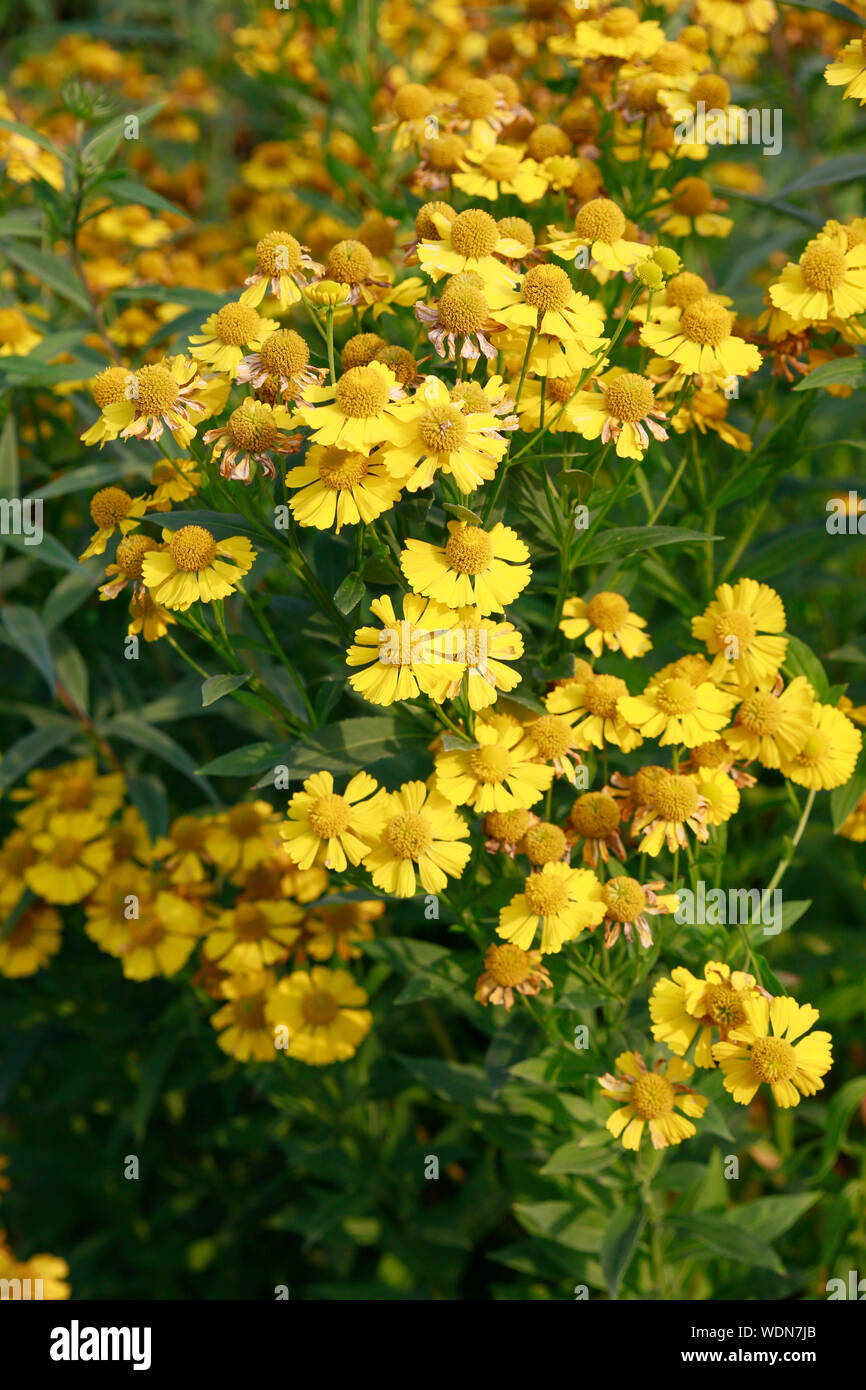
(651,1098)
(482,647)
(688,1006)
(366,408)
(112,509)
(720,792)
(243,836)
(173,480)
(253,935)
(740,631)
(250,436)
(627,903)
(47,1273)
(854,827)
(561,900)
(764,1049)
(405,657)
(493,171)
(829,754)
(509,970)
(160,395)
(470,242)
(700,340)
(244,1030)
(829,280)
(324,1013)
(622,410)
(228,334)
(158,941)
(618,33)
(594,818)
(31,942)
(600,226)
(693,211)
(17,337)
(848,70)
(325,827)
(501,774)
(769,727)
(281,261)
(340,489)
(605,620)
(675,805)
(148,618)
(594,701)
(441,435)
(420,833)
(674,710)
(72,787)
(195,567)
(476,567)
(73,856)
(556,742)
(546,300)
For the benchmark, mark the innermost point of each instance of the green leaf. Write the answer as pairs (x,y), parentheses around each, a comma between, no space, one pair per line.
(845,371)
(453,1081)
(90,476)
(153,1072)
(722,1237)
(35,135)
(843,799)
(619,1243)
(615,543)
(800,660)
(133,729)
(21,222)
(31,749)
(215,687)
(148,796)
(248,761)
(579,481)
(767,1218)
(350,593)
(52,271)
(127,191)
(105,141)
(26,632)
(578,1228)
(839,170)
(838,1115)
(832,7)
(463,514)
(589,1155)
(49,551)
(10,476)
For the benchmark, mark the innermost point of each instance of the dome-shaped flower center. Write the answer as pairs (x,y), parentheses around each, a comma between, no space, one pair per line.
(445,155)
(249,1014)
(157,390)
(350,263)
(362,392)
(400,361)
(469,550)
(360,350)
(192,548)
(66,851)
(425,227)
(508,964)
(594,815)
(109,387)
(546,141)
(546,287)
(676,696)
(715,753)
(409,835)
(108,506)
(284,353)
(600,220)
(502,163)
(823,267)
(76,793)
(236,324)
(319,1007)
(278,253)
(773,1059)
(706,321)
(619,22)
(341,471)
(507,826)
(561,388)
(188,833)
(601,695)
(244,821)
(643,91)
(672,59)
(252,426)
(329,815)
(712,90)
(130,553)
(491,763)
(725,1006)
(652,1096)
(545,843)
(251,924)
(760,713)
(685,288)
(646,779)
(607,611)
(815,749)
(472,394)
(551,735)
(477,99)
(462,307)
(474,234)
(413,102)
(624,899)
(629,397)
(675,797)
(546,894)
(692,197)
(442,429)
(149,932)
(737,625)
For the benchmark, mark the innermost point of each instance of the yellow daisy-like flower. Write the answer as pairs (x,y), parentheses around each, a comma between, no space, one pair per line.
(674,710)
(482,647)
(492,171)
(49,1270)
(848,70)
(112,509)
(245,1032)
(600,227)
(281,263)
(252,433)
(720,792)
(546,300)
(740,631)
(17,336)
(763,1049)
(627,904)
(253,935)
(501,774)
(700,340)
(605,620)
(476,567)
(651,1098)
(508,970)
(406,656)
(330,828)
(73,856)
(420,833)
(73,787)
(555,739)
(195,567)
(618,33)
(471,241)
(173,480)
(441,435)
(770,726)
(228,335)
(243,836)
(623,409)
(159,941)
(31,942)
(829,280)
(324,1013)
(693,211)
(563,901)
(160,395)
(365,408)
(183,849)
(130,552)
(687,1006)
(148,618)
(594,702)
(594,818)
(16,854)
(829,754)
(340,489)
(675,806)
